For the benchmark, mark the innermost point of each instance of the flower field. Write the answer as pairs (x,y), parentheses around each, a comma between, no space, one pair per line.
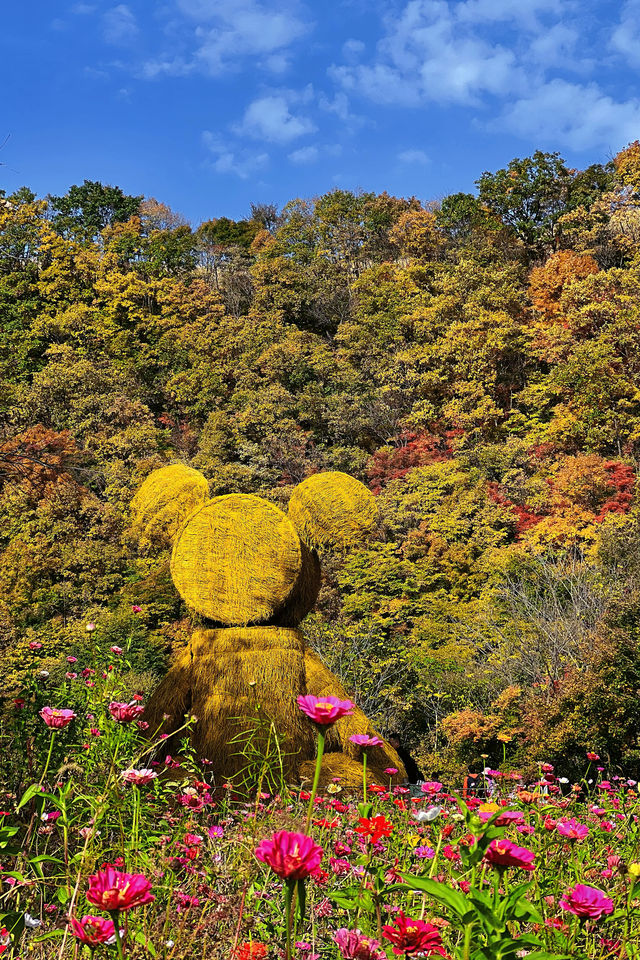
(111,847)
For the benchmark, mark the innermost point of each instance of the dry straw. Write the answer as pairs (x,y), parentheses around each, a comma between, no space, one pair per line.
(220,677)
(333,509)
(305,593)
(236,560)
(164,500)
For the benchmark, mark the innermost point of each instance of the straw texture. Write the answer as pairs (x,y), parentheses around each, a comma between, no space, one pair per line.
(333,509)
(348,770)
(303,597)
(236,560)
(322,683)
(220,677)
(165,500)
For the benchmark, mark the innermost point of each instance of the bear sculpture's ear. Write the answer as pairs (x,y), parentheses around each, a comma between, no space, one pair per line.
(237,560)
(333,509)
(164,501)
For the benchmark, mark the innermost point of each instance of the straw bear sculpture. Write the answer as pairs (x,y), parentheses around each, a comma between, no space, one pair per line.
(251,573)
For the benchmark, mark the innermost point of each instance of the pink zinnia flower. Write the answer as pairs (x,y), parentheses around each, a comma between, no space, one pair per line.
(390,771)
(35,645)
(586,902)
(92,930)
(354,945)
(365,741)
(325,710)
(135,608)
(410,937)
(504,853)
(572,829)
(57,719)
(111,889)
(505,818)
(431,787)
(125,712)
(139,777)
(292,856)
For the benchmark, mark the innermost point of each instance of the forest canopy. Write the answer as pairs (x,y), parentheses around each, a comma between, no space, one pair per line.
(476,362)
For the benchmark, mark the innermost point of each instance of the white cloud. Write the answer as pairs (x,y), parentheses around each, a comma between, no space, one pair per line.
(427,54)
(119,25)
(83,9)
(304,155)
(175,67)
(228,159)
(223,34)
(270,118)
(352,49)
(626,37)
(556,46)
(578,115)
(508,58)
(415,157)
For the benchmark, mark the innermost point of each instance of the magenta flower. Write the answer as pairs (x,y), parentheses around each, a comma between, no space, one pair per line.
(125,712)
(354,945)
(57,719)
(325,710)
(572,829)
(292,856)
(505,818)
(504,853)
(586,902)
(365,741)
(92,930)
(111,889)
(431,787)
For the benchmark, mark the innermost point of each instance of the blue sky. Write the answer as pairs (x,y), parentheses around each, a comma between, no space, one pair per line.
(209,105)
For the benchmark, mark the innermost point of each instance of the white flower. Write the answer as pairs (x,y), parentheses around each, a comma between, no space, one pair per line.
(31,923)
(428,815)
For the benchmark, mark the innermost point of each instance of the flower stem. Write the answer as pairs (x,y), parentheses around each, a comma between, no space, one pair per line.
(46,766)
(288,890)
(114,914)
(364,775)
(316,778)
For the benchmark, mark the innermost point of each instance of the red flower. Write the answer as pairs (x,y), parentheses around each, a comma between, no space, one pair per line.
(372,828)
(112,890)
(5,941)
(125,712)
(57,719)
(92,930)
(411,937)
(292,856)
(325,710)
(503,853)
(586,902)
(251,951)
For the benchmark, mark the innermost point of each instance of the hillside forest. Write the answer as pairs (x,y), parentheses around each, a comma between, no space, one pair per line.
(474,360)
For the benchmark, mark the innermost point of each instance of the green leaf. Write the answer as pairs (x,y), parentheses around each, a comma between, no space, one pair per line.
(140,938)
(30,792)
(438,891)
